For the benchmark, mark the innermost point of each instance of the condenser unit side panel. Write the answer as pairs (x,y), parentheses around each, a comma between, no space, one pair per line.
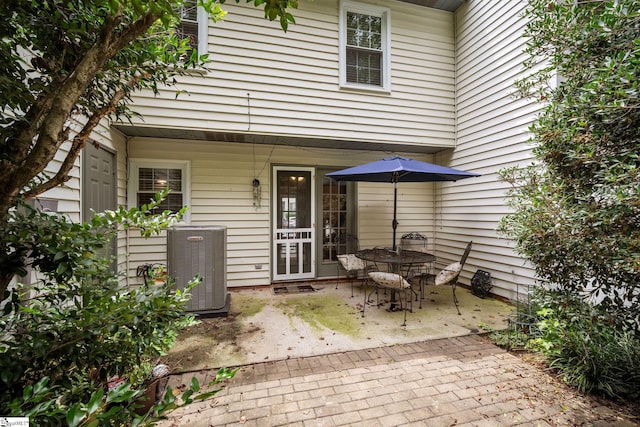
(196,265)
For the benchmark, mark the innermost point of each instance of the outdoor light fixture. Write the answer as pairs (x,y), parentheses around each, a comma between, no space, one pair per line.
(257,193)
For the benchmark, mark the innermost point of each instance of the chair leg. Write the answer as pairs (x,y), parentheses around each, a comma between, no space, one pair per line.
(413,291)
(411,306)
(406,298)
(455,298)
(364,304)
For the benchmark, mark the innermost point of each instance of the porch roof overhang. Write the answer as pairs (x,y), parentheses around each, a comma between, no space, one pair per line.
(292,141)
(448,5)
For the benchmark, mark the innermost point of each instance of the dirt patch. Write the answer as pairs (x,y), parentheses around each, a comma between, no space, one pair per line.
(214,342)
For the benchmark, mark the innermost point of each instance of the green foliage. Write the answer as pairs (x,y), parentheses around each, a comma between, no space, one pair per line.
(589,352)
(65,336)
(576,211)
(67,252)
(67,65)
(523,326)
(59,34)
(118,407)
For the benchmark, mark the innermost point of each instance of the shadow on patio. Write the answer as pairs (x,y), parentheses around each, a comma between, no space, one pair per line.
(263,325)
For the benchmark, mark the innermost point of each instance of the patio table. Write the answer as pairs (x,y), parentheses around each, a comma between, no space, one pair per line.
(395,261)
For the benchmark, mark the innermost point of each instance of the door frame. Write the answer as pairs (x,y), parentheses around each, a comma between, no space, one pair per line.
(328,269)
(275,221)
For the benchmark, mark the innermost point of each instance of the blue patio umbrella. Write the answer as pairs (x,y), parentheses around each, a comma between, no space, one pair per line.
(399,169)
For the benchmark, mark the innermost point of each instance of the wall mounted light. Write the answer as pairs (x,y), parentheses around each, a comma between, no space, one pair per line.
(257,193)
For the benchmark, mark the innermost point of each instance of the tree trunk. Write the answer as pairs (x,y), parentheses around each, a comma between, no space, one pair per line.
(36,140)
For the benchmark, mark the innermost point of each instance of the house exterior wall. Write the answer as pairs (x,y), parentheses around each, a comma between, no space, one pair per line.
(69,195)
(264,81)
(221,194)
(452,79)
(491,134)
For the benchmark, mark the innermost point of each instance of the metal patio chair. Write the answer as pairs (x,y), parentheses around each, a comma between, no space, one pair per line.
(348,261)
(449,275)
(394,282)
(417,242)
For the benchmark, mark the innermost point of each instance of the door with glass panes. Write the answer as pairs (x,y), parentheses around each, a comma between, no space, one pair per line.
(336,215)
(293,223)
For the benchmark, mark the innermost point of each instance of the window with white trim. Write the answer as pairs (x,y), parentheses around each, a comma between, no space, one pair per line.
(365,59)
(149,177)
(194,26)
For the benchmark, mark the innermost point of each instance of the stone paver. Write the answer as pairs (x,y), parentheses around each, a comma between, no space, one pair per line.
(457,381)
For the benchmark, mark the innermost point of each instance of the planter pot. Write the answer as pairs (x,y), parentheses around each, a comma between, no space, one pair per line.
(147,399)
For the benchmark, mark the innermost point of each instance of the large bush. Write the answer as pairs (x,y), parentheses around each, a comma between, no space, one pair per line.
(64,337)
(576,211)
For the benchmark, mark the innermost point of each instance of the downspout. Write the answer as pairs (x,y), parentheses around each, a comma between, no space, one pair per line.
(126,199)
(127,231)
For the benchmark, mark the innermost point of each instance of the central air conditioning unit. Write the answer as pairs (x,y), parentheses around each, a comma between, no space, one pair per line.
(200,251)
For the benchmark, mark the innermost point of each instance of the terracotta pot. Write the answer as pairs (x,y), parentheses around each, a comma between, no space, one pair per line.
(147,399)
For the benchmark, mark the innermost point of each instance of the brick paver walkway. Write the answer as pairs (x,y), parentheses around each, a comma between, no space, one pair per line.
(464,381)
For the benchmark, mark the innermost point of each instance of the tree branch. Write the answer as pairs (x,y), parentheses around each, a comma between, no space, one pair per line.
(79,142)
(51,135)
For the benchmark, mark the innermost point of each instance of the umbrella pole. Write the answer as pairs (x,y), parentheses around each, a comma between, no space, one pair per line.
(394,223)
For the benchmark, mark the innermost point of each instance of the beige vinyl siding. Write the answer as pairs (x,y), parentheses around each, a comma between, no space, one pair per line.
(221,194)
(491,135)
(69,194)
(415,212)
(265,81)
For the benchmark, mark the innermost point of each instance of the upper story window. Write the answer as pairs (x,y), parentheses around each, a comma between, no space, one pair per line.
(194,25)
(365,59)
(149,177)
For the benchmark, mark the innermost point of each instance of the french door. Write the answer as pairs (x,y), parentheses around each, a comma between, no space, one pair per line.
(336,214)
(293,223)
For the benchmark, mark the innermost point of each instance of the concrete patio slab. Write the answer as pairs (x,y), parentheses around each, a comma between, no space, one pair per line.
(264,325)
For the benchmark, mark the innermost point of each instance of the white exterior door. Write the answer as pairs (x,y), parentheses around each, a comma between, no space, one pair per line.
(293,223)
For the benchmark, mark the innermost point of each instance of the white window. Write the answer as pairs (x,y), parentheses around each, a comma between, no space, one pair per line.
(194,26)
(365,59)
(147,177)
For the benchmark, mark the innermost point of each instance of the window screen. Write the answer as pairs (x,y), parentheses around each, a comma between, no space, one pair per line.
(188,28)
(152,180)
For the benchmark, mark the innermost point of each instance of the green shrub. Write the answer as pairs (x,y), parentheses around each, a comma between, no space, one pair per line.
(588,348)
(574,211)
(63,338)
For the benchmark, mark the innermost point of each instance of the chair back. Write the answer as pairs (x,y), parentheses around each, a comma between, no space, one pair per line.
(346,243)
(465,255)
(414,242)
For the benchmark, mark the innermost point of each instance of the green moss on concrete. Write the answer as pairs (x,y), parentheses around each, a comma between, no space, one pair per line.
(248,305)
(322,312)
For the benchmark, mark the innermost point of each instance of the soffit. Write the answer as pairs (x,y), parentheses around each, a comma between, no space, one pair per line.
(198,135)
(448,5)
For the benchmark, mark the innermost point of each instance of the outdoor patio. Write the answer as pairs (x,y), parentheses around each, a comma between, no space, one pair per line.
(266,326)
(310,359)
